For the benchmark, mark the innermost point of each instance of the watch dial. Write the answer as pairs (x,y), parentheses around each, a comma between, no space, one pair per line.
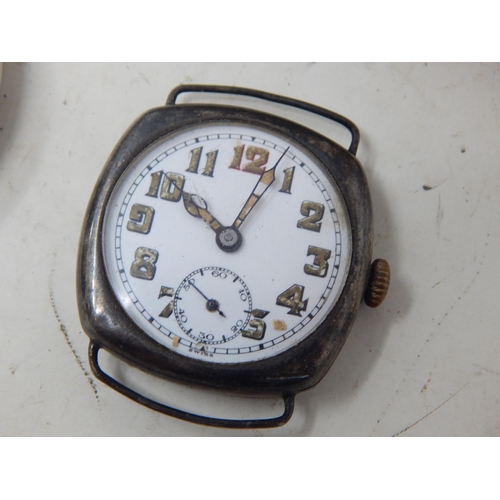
(227,243)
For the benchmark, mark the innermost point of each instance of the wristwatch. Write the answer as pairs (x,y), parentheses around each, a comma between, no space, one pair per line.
(227,248)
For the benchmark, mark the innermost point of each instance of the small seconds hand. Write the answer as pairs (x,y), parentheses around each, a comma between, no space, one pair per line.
(211,303)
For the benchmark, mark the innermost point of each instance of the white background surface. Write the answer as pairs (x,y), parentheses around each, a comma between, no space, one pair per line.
(426,363)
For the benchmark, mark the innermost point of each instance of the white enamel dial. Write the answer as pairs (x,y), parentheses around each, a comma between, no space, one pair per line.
(227,243)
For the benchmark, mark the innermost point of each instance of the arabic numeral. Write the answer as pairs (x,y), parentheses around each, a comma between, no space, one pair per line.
(258,330)
(257,327)
(143,266)
(141,218)
(166,291)
(292,298)
(205,336)
(237,326)
(320,263)
(171,187)
(258,156)
(219,274)
(287,181)
(194,162)
(182,316)
(311,221)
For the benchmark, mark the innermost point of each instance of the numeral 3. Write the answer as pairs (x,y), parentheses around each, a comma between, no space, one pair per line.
(320,264)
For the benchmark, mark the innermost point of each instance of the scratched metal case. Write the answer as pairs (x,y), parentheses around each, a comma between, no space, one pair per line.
(285,374)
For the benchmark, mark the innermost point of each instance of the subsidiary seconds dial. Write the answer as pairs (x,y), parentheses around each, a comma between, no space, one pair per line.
(212,305)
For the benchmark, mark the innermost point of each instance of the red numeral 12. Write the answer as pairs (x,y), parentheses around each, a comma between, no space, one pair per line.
(258,159)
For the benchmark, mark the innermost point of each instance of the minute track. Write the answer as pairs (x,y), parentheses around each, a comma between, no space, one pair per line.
(199,185)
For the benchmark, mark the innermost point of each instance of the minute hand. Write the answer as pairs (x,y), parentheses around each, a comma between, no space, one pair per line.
(265,180)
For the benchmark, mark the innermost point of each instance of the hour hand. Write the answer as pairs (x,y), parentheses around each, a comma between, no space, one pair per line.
(227,238)
(197,207)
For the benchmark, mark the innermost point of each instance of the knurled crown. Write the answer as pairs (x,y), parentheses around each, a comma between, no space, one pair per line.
(378,283)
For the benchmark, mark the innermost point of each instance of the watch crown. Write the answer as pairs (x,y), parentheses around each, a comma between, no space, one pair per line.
(378,283)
